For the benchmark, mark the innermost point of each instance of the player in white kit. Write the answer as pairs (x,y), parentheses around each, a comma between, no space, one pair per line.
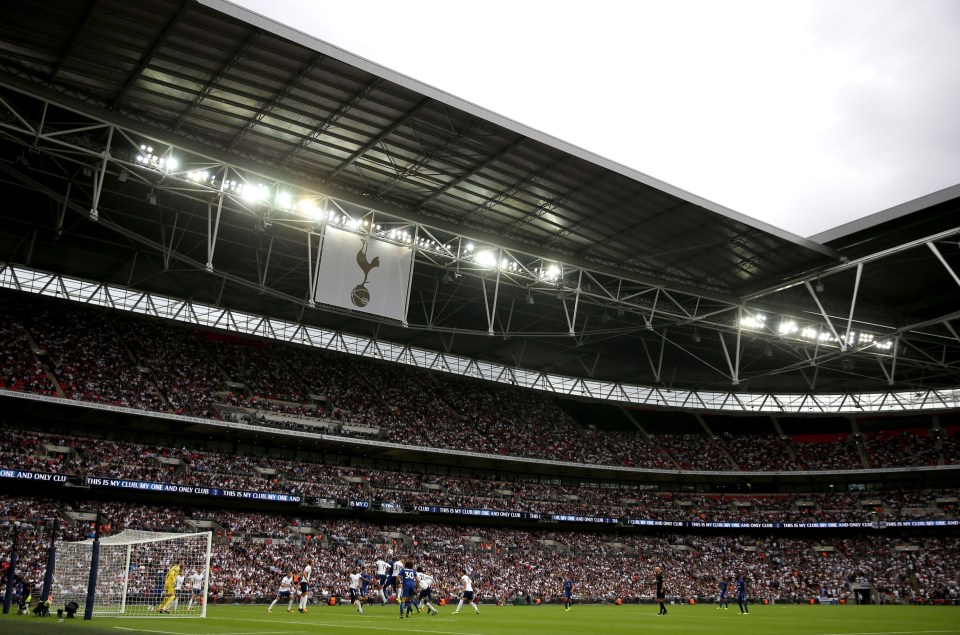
(467,592)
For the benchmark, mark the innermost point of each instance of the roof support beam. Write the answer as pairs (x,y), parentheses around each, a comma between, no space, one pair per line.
(214,82)
(936,252)
(279,96)
(519,186)
(133,266)
(848,264)
(263,265)
(886,373)
(212,228)
(425,158)
(62,210)
(470,173)
(312,270)
(490,307)
(655,368)
(373,142)
(572,320)
(98,176)
(148,57)
(823,313)
(949,327)
(324,125)
(845,342)
(731,365)
(168,246)
(545,208)
(80,28)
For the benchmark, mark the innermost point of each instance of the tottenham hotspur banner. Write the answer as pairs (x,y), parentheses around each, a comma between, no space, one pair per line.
(364,274)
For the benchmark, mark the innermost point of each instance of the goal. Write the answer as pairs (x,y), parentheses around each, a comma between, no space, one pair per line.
(137,575)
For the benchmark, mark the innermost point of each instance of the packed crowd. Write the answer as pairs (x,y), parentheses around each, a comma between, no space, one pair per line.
(80,456)
(759,452)
(20,368)
(508,562)
(90,354)
(900,448)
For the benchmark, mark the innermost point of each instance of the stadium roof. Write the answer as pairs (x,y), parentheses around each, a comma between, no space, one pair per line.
(604,272)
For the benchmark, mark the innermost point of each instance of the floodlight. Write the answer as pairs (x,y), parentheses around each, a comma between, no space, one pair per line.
(787,327)
(487,259)
(753,321)
(255,193)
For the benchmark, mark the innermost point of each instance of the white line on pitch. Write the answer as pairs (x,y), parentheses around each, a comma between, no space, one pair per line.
(366,626)
(888,632)
(143,630)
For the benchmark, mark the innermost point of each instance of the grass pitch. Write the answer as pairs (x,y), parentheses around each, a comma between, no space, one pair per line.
(519,620)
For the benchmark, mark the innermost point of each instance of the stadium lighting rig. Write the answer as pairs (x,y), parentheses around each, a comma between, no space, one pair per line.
(790,328)
(148,159)
(228,181)
(492,257)
(303,204)
(278,201)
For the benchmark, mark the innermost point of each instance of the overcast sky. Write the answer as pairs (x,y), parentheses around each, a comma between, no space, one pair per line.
(804,114)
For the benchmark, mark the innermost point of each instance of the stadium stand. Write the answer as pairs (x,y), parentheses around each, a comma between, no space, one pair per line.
(152,365)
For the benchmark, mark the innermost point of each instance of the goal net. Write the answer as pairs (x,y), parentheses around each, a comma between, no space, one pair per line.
(139,574)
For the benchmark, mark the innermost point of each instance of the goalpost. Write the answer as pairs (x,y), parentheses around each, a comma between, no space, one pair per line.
(137,574)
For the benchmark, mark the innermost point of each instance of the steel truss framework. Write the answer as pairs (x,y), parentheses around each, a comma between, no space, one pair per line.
(791,327)
(125,299)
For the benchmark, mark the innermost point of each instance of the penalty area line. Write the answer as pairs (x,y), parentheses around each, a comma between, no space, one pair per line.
(363,626)
(143,630)
(889,632)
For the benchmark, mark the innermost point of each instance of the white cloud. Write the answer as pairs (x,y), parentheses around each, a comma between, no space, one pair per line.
(804,114)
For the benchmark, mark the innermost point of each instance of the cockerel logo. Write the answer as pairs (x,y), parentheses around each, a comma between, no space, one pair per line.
(360,296)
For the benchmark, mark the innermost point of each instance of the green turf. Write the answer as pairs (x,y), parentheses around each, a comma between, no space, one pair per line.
(522,620)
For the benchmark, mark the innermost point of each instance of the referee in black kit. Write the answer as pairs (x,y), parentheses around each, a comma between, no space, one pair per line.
(661,592)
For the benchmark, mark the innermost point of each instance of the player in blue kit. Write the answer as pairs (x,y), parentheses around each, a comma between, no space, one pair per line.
(722,601)
(408,589)
(567,593)
(365,581)
(742,594)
